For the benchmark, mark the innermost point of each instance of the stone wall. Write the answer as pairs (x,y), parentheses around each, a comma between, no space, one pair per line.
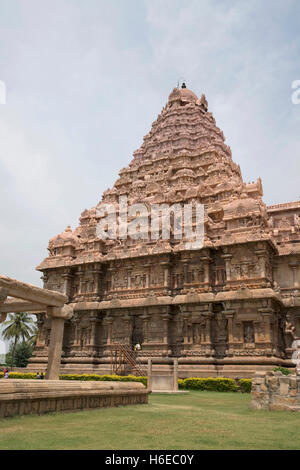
(275,391)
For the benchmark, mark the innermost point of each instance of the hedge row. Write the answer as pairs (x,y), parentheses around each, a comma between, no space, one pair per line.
(121,378)
(218,384)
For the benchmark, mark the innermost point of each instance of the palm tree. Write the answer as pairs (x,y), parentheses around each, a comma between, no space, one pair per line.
(33,336)
(18,326)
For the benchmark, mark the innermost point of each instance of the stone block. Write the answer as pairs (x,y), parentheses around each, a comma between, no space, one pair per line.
(283,388)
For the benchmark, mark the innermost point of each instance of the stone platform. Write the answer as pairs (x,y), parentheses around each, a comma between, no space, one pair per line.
(21,397)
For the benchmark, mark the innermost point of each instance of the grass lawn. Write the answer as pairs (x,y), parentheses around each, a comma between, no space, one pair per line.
(198,420)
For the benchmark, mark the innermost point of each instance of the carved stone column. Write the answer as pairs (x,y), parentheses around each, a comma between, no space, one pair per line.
(145,318)
(186,336)
(227,259)
(267,314)
(185,273)
(67,277)
(108,320)
(294,266)
(128,279)
(208,339)
(206,262)
(79,273)
(76,321)
(229,314)
(128,326)
(165,265)
(175,374)
(40,340)
(93,320)
(166,317)
(261,262)
(96,275)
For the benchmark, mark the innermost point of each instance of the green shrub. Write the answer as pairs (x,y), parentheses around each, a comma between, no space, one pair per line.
(181,383)
(245,385)
(283,370)
(213,384)
(120,378)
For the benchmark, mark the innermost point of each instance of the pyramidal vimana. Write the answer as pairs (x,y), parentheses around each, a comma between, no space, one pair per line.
(227,308)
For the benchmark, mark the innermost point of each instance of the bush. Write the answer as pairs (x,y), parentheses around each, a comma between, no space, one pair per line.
(213,384)
(19,375)
(283,370)
(120,378)
(22,354)
(245,385)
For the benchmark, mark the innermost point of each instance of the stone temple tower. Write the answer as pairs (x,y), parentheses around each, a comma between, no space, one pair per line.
(227,308)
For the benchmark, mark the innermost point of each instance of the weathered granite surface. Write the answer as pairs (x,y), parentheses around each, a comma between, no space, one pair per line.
(20,397)
(275,391)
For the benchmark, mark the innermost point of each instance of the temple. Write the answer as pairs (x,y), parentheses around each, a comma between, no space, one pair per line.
(227,308)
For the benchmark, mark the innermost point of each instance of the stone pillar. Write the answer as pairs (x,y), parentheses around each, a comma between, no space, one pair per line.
(294,267)
(59,315)
(55,348)
(206,261)
(67,284)
(175,374)
(227,259)
(145,319)
(80,287)
(185,272)
(267,317)
(261,262)
(166,317)
(208,339)
(96,275)
(149,373)
(165,266)
(94,320)
(128,279)
(108,321)
(228,314)
(76,321)
(147,275)
(128,327)
(185,318)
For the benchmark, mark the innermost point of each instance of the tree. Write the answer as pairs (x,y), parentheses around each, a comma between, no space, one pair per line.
(18,326)
(33,337)
(23,352)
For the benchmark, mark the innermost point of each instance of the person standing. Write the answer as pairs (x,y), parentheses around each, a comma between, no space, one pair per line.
(6,373)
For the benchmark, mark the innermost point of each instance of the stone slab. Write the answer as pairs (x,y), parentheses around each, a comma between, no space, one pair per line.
(20,397)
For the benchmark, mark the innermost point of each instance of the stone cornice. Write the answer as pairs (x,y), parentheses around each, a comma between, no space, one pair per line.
(194,298)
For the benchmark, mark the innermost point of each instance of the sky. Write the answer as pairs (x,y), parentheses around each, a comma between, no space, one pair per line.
(85,80)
